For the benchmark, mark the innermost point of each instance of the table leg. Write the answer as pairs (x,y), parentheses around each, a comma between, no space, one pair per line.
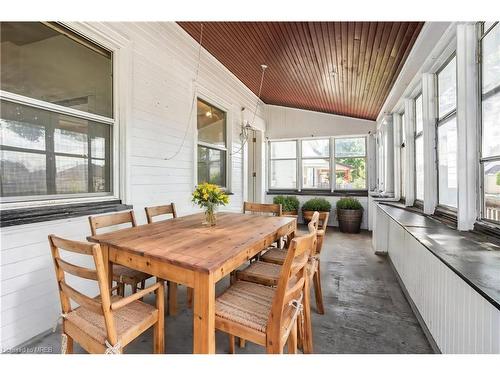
(204,314)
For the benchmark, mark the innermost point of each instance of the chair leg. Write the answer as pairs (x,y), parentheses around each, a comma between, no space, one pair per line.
(318,294)
(190,297)
(292,340)
(159,327)
(307,340)
(300,333)
(121,289)
(231,344)
(172,298)
(242,342)
(69,343)
(134,288)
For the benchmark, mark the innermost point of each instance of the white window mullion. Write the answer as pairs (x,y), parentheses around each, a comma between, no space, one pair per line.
(429,122)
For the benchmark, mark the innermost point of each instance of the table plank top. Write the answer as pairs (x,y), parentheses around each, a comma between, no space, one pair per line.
(188,243)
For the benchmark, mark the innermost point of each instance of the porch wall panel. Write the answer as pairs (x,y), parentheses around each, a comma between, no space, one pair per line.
(459,319)
(163,67)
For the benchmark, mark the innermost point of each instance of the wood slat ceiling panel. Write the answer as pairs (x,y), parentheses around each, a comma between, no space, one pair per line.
(366,58)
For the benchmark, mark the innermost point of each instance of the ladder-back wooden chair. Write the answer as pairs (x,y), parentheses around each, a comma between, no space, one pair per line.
(105,324)
(265,315)
(121,275)
(169,209)
(276,257)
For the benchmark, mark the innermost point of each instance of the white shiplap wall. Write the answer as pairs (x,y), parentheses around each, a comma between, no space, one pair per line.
(163,61)
(459,319)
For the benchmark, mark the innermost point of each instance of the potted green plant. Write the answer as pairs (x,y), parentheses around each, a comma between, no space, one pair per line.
(349,215)
(289,204)
(315,204)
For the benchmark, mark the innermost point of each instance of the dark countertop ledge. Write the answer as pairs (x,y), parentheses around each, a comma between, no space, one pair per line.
(472,256)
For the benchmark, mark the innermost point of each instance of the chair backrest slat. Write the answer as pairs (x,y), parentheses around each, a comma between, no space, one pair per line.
(103,221)
(81,299)
(269,208)
(82,272)
(323,219)
(160,210)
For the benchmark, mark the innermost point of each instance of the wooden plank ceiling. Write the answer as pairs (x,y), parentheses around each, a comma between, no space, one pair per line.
(345,68)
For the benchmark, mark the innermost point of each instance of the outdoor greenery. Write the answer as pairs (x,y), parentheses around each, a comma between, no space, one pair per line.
(349,204)
(288,203)
(317,204)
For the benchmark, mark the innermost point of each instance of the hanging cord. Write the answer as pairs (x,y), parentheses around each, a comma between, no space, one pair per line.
(64,337)
(244,130)
(193,99)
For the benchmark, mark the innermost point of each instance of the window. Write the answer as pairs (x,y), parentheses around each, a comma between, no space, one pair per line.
(56,113)
(402,156)
(212,151)
(490,144)
(350,163)
(283,165)
(316,164)
(447,134)
(419,149)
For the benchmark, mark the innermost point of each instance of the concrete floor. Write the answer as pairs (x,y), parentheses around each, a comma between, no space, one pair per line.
(366,311)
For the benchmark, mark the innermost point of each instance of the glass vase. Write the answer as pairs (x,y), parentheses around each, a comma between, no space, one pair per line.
(210,218)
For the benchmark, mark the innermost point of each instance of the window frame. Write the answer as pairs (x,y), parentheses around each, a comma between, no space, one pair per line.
(418,202)
(210,102)
(402,152)
(441,121)
(119,60)
(482,33)
(299,183)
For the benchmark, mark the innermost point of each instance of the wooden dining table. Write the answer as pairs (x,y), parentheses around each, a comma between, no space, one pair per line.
(186,251)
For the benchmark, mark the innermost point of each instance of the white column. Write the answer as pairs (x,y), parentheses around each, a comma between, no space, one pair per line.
(429,119)
(410,152)
(467,124)
(396,124)
(389,155)
(372,161)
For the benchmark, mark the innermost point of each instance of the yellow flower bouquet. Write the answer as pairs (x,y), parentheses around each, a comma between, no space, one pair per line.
(209,196)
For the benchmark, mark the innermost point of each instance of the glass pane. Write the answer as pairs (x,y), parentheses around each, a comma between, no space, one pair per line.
(41,62)
(419,122)
(350,173)
(403,171)
(284,150)
(447,88)
(316,173)
(491,126)
(99,172)
(348,147)
(492,190)
(447,159)
(25,129)
(419,168)
(211,124)
(316,148)
(211,166)
(491,59)
(71,175)
(23,173)
(283,174)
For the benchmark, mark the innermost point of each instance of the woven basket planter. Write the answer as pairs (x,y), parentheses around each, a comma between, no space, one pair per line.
(349,220)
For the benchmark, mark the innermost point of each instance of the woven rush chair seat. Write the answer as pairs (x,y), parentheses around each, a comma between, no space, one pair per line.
(136,316)
(249,305)
(261,272)
(127,275)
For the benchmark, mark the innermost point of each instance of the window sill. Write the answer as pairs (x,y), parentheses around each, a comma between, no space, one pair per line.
(343,193)
(21,216)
